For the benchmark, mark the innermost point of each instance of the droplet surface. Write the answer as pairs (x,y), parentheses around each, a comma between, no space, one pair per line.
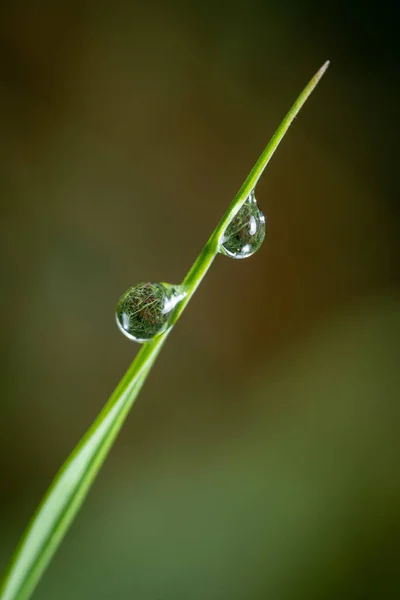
(144,310)
(245,233)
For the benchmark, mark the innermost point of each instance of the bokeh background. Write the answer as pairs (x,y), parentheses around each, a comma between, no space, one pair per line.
(262,457)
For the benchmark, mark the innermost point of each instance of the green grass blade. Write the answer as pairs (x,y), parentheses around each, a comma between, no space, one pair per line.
(70,486)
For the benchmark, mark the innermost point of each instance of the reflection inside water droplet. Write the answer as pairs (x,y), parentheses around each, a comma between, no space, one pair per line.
(144,310)
(245,233)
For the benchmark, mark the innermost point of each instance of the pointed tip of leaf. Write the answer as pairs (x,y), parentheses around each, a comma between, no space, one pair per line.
(322,70)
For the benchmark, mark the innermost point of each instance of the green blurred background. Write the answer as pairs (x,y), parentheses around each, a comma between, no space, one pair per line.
(262,457)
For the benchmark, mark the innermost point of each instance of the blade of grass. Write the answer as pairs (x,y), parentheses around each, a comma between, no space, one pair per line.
(72,483)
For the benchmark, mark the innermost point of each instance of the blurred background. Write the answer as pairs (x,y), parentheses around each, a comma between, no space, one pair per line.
(262,457)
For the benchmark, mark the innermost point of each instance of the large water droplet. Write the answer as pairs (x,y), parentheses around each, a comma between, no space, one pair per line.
(245,233)
(144,310)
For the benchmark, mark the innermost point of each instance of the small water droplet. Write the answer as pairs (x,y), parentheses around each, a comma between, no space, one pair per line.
(245,233)
(144,310)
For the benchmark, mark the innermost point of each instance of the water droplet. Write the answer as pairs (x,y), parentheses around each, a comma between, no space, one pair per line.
(245,233)
(144,310)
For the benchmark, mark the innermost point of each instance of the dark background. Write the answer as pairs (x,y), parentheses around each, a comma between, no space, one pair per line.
(262,458)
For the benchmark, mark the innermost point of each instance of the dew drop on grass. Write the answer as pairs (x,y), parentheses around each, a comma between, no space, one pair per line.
(143,312)
(245,233)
